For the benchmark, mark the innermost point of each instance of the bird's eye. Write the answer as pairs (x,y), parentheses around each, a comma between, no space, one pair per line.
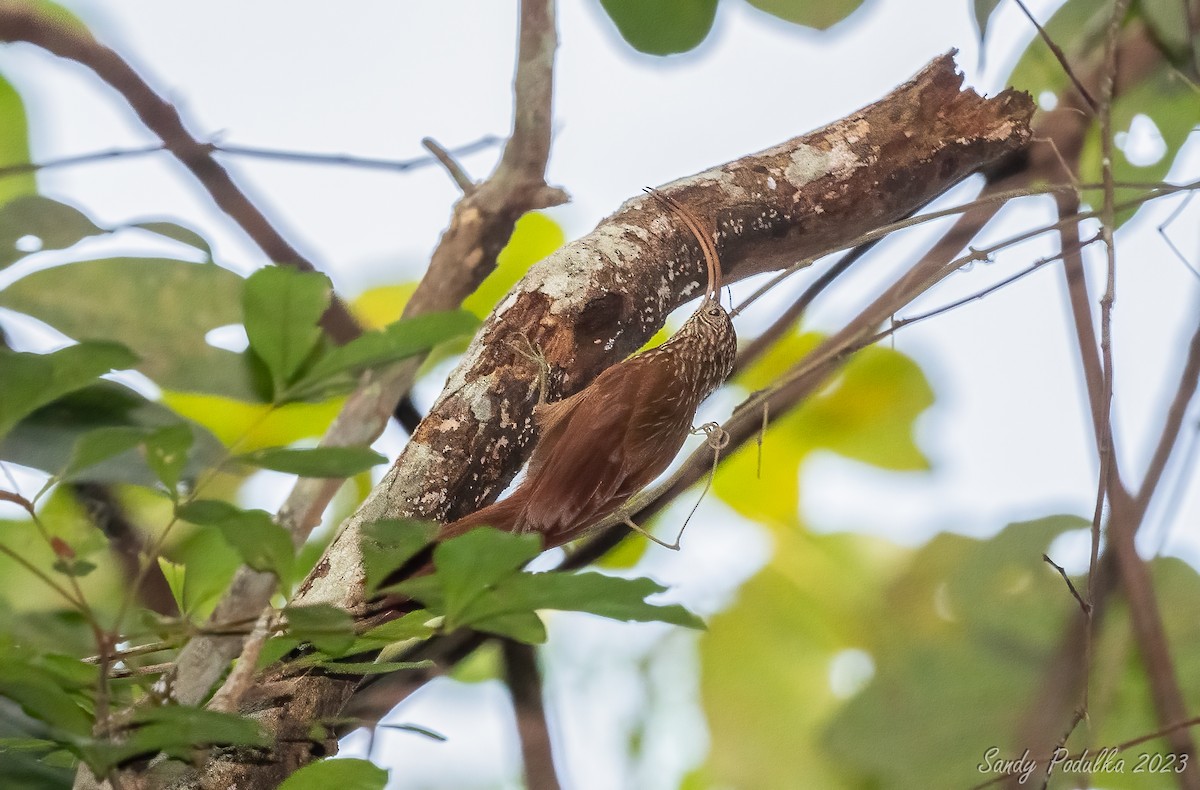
(714,311)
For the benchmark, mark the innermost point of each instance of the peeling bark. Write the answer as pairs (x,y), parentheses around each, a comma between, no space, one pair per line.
(598,299)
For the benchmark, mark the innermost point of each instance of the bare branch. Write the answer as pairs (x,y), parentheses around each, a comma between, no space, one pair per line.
(1169,436)
(1084,606)
(1150,635)
(229,696)
(252,152)
(524,683)
(1060,56)
(456,171)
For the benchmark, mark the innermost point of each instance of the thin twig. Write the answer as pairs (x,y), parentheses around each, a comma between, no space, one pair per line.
(1104,439)
(1125,516)
(1060,56)
(788,318)
(229,696)
(1080,713)
(252,152)
(1189,376)
(1084,606)
(957,303)
(1162,231)
(456,171)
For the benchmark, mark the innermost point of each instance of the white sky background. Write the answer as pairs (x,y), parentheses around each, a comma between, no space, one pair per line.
(1008,436)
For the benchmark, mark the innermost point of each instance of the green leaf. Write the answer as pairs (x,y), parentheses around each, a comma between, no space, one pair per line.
(259,541)
(281,308)
(177,729)
(160,308)
(344,774)
(524,627)
(662,27)
(404,338)
(766,660)
(371,667)
(413,625)
(328,628)
(14,145)
(77,568)
(1079,27)
(534,237)
(968,623)
(335,462)
(607,596)
(42,696)
(53,226)
(209,512)
(176,232)
(167,455)
(28,745)
(819,14)
(388,544)
(469,564)
(478,584)
(58,437)
(983,10)
(1166,101)
(33,380)
(100,445)
(176,577)
(1168,20)
(426,589)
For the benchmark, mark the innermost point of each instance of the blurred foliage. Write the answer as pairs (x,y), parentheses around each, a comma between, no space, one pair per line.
(14,148)
(342,774)
(668,27)
(765,661)
(162,309)
(1164,97)
(962,647)
(866,413)
(32,223)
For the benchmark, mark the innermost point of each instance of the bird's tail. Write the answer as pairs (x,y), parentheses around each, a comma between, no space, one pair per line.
(505,515)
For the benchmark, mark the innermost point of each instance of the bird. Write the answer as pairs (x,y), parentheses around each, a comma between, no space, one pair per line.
(602,445)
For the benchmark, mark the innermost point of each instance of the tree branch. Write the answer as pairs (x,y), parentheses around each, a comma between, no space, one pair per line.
(252,152)
(524,683)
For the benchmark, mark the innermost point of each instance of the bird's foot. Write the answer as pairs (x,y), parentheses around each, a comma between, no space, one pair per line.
(715,436)
(627,521)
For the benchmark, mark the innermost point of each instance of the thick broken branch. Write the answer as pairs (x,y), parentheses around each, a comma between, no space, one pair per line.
(599,298)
